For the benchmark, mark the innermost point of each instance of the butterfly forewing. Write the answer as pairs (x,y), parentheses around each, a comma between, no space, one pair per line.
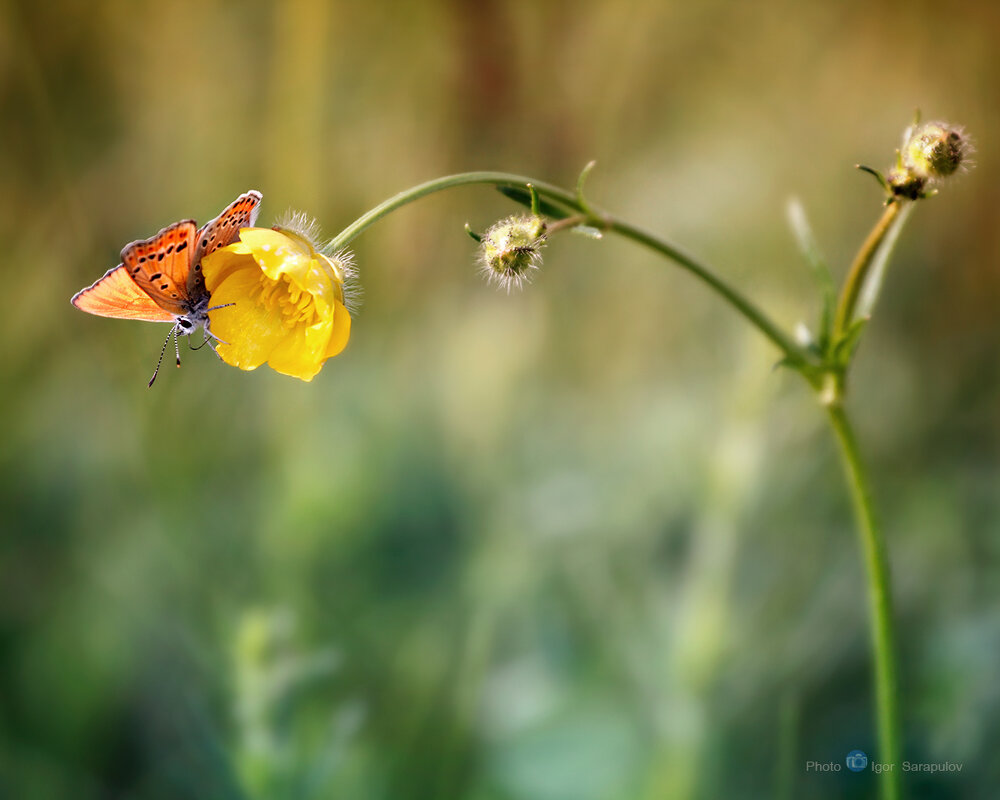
(221,231)
(117,295)
(160,266)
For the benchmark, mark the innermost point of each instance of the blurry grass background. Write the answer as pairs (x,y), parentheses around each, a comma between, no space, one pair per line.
(578,543)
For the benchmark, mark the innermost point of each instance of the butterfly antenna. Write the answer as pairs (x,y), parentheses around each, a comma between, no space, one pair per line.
(159,361)
(177,347)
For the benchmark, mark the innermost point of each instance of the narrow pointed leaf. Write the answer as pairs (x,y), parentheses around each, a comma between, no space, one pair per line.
(548,209)
(876,273)
(883,182)
(844,349)
(587,230)
(817,264)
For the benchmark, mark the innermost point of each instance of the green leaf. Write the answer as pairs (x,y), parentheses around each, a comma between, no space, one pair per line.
(883,182)
(535,201)
(587,230)
(806,242)
(584,174)
(844,349)
(548,209)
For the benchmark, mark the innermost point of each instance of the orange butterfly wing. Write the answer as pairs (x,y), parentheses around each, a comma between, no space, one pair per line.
(160,265)
(155,281)
(117,295)
(223,230)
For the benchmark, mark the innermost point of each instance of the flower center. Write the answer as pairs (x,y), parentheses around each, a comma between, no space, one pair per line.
(287,299)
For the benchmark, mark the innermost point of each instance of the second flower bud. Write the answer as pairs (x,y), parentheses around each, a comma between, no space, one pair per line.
(511,248)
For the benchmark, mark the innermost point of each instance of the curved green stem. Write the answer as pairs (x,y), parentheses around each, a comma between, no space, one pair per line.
(880,604)
(414,193)
(795,354)
(749,310)
(883,234)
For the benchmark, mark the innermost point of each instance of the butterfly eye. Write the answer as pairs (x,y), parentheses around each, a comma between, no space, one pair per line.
(185,324)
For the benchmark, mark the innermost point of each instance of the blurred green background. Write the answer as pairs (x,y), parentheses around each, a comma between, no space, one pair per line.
(576,543)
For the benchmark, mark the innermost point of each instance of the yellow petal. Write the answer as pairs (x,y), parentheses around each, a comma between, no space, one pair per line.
(303,351)
(297,354)
(216,266)
(341,331)
(251,333)
(276,253)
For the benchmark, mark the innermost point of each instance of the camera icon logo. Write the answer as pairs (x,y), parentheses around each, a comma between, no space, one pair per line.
(856,760)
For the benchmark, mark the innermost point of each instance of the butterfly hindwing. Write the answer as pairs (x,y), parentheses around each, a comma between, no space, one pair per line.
(221,231)
(117,295)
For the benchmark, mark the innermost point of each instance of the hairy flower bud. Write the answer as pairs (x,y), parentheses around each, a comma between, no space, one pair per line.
(935,150)
(510,249)
(931,152)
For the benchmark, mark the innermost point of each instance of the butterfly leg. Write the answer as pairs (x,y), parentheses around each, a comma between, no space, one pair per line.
(207,327)
(214,350)
(208,332)
(204,341)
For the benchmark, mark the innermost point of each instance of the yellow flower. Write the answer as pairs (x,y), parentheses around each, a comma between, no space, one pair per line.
(287,302)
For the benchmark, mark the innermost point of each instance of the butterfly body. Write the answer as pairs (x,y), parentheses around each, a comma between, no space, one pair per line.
(159,279)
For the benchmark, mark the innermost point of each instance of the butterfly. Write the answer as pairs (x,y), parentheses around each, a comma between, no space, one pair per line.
(159,279)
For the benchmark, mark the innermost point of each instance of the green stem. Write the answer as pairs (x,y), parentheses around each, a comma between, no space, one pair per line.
(863,262)
(751,312)
(880,604)
(414,193)
(791,350)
